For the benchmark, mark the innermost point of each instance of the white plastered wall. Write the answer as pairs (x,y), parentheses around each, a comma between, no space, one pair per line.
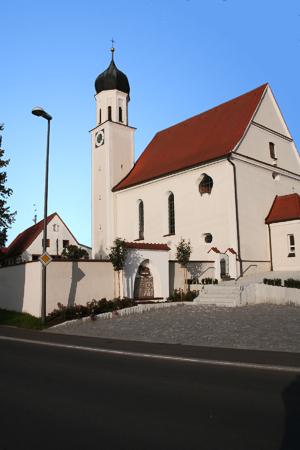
(256,192)
(68,282)
(280,248)
(110,164)
(195,215)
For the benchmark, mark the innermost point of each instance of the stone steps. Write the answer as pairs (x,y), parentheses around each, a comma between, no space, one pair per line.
(218,295)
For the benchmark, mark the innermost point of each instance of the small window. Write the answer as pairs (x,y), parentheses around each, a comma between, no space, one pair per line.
(120,114)
(272,150)
(291,246)
(141,220)
(55,227)
(65,244)
(47,243)
(99,115)
(275,176)
(109,113)
(206,185)
(171,214)
(208,238)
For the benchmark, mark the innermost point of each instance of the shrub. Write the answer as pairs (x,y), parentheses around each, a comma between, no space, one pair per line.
(209,281)
(292,283)
(179,295)
(272,282)
(91,309)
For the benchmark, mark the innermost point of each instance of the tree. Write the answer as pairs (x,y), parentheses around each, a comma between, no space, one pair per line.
(183,254)
(6,217)
(117,255)
(74,252)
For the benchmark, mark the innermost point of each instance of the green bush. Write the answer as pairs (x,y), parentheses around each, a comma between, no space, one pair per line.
(272,282)
(292,283)
(209,281)
(178,296)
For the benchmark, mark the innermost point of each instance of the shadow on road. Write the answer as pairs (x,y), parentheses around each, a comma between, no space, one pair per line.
(291,399)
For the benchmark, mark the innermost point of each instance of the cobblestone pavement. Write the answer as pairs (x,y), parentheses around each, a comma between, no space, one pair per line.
(264,327)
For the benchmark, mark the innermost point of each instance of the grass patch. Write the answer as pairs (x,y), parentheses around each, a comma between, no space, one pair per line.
(20,320)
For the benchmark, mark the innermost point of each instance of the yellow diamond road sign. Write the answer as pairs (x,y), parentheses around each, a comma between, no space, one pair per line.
(45,259)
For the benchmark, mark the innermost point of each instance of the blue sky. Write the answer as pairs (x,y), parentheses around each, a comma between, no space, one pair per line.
(181,57)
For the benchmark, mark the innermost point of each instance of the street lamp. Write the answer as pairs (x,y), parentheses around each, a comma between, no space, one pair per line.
(41,113)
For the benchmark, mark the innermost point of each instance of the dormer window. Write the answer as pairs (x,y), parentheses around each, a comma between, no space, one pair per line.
(109,113)
(272,150)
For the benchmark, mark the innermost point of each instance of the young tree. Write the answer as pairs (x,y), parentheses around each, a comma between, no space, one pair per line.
(183,253)
(74,252)
(6,217)
(117,255)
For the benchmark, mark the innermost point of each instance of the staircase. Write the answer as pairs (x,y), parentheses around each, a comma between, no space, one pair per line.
(219,295)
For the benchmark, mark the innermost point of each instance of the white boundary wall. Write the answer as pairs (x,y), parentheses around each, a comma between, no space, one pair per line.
(263,293)
(68,282)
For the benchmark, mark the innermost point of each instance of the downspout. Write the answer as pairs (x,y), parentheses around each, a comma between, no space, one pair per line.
(236,215)
(270,245)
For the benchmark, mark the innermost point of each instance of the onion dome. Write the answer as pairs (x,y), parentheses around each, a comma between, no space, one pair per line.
(112,78)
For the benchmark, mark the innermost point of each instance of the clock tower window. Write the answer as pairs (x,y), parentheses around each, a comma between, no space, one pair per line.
(100,115)
(109,113)
(120,114)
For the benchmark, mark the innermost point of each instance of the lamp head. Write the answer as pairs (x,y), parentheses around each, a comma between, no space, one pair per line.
(40,112)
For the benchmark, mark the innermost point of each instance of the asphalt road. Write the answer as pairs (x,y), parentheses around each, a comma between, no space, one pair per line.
(59,397)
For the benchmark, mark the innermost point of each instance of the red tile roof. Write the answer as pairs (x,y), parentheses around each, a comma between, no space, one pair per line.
(24,239)
(208,136)
(144,246)
(285,207)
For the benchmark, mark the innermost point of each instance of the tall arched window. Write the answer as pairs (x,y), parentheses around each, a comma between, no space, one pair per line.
(171,214)
(141,220)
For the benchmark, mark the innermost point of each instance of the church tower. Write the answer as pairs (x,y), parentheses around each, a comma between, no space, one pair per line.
(112,154)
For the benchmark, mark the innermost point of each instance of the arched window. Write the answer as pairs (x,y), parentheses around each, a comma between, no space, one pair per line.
(206,185)
(171,214)
(141,220)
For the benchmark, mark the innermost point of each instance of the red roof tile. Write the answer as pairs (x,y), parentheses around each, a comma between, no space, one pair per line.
(210,135)
(214,249)
(144,246)
(24,239)
(285,207)
(231,251)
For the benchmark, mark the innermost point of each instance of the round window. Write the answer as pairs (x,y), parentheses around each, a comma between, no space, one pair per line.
(208,238)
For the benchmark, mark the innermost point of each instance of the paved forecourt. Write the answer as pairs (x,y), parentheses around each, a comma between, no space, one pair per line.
(261,327)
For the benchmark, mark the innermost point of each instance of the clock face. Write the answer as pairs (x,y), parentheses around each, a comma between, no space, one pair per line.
(99,138)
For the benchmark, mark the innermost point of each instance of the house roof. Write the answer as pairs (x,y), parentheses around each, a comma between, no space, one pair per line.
(210,135)
(144,246)
(24,239)
(285,207)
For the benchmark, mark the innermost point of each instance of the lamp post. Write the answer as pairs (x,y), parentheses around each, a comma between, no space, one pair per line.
(41,113)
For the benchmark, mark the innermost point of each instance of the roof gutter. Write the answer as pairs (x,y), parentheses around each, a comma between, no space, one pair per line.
(236,215)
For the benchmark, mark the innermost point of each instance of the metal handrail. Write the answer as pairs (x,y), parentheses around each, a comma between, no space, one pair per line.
(252,265)
(197,277)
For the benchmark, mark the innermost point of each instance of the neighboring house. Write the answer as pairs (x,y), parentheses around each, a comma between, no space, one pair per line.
(211,179)
(28,245)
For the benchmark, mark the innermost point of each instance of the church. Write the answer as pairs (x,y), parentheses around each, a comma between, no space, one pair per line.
(227,180)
